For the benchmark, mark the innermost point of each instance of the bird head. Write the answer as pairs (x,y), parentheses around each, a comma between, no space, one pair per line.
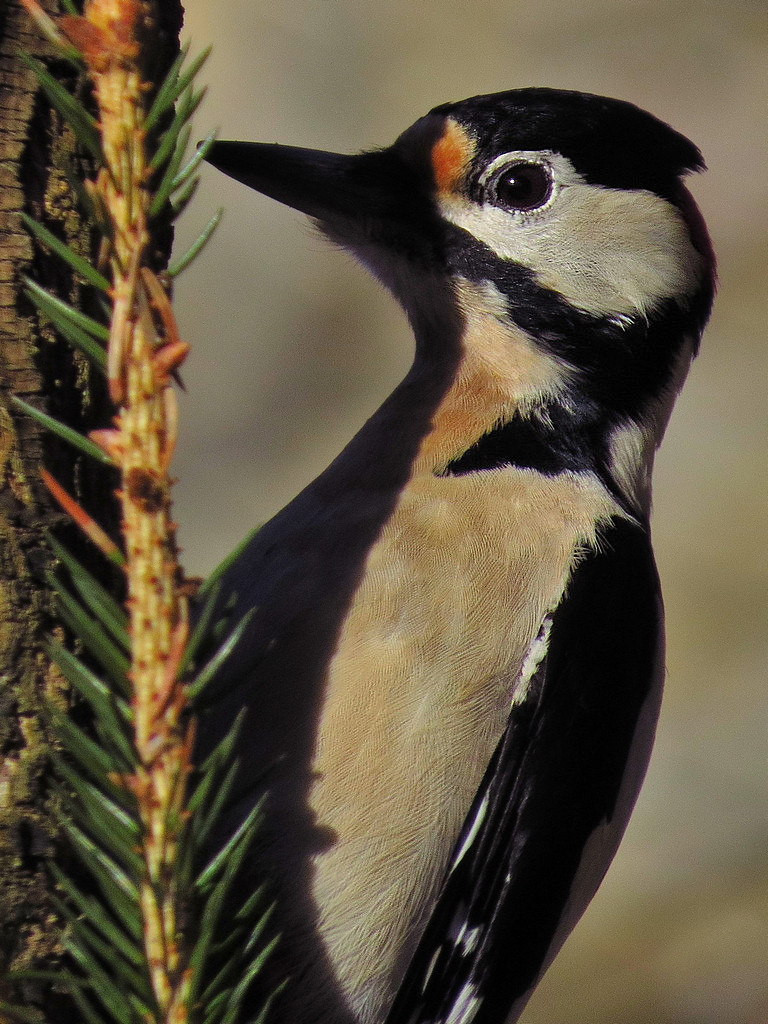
(556,217)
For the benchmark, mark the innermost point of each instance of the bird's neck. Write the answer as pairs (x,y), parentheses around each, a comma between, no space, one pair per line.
(514,402)
(483,397)
(500,372)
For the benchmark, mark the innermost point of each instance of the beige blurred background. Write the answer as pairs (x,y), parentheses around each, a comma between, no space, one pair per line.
(294,347)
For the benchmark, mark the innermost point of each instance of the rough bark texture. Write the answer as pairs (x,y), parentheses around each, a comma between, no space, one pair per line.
(31,364)
(36,152)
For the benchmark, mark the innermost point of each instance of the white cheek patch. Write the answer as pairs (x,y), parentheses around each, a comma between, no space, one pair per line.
(609,252)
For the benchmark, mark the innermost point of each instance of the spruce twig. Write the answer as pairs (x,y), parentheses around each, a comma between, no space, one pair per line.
(108,37)
(145,942)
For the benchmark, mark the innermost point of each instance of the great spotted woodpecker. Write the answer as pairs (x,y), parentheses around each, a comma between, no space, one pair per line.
(454,666)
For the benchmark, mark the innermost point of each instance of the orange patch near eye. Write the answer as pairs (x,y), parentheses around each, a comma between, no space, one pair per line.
(451,156)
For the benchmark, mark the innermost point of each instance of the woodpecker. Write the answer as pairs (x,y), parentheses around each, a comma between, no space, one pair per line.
(453,666)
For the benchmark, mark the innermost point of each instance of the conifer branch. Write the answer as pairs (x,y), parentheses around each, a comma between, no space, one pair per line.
(146,943)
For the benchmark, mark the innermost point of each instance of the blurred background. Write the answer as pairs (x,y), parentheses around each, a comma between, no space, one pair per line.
(294,346)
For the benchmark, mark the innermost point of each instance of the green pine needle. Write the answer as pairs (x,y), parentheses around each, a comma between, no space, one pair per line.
(114,662)
(197,246)
(92,910)
(67,312)
(107,823)
(73,437)
(211,669)
(91,944)
(226,862)
(200,632)
(167,94)
(215,997)
(69,330)
(99,601)
(230,954)
(216,1006)
(74,113)
(170,138)
(88,1013)
(112,998)
(108,708)
(181,199)
(186,172)
(216,776)
(241,989)
(89,755)
(165,187)
(261,1019)
(79,264)
(226,563)
(208,813)
(258,930)
(191,73)
(120,891)
(245,913)
(221,753)
(80,330)
(173,86)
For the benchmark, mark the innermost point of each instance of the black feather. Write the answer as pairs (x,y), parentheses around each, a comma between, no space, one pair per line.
(554,779)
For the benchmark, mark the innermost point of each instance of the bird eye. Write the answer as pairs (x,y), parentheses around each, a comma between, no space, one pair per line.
(523,186)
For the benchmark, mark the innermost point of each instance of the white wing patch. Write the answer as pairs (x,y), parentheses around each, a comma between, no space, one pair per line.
(536,654)
(466,1006)
(430,968)
(471,834)
(464,938)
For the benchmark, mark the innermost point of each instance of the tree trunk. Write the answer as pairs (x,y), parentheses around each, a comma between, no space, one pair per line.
(37,154)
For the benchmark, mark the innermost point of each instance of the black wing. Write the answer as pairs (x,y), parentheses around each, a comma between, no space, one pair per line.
(566,771)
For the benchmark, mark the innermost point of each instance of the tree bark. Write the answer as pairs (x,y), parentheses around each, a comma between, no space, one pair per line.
(32,363)
(37,154)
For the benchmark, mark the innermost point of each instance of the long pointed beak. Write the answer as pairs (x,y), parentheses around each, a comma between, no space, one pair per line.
(316,183)
(378,205)
(374,197)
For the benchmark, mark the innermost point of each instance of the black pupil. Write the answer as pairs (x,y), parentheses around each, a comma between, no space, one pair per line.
(523,187)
